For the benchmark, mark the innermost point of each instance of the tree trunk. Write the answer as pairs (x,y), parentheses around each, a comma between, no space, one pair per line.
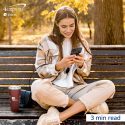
(2,28)
(2,21)
(98,22)
(108,22)
(90,31)
(118,29)
(9,25)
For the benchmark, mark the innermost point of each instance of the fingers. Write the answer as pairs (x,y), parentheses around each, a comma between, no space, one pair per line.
(69,60)
(79,60)
(80,57)
(70,57)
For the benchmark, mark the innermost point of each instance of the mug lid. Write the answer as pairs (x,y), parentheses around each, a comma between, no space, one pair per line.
(14,87)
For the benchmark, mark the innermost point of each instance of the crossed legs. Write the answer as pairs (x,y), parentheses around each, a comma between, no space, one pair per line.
(54,97)
(75,108)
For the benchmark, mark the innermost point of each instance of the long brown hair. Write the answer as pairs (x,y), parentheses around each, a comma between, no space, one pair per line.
(57,37)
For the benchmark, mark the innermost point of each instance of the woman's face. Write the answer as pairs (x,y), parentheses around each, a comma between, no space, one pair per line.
(67,27)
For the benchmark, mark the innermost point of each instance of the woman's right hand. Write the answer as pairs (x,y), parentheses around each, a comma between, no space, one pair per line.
(65,62)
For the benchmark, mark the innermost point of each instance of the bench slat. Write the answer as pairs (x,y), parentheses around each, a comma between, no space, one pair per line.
(18,74)
(97,67)
(17,68)
(107,75)
(17,60)
(116,81)
(17,53)
(16,81)
(4,90)
(108,52)
(108,61)
(23,114)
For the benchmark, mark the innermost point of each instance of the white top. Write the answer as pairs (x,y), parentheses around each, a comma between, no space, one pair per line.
(66,79)
(67,47)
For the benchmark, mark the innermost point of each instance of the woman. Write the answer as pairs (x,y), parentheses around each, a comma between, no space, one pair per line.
(61,74)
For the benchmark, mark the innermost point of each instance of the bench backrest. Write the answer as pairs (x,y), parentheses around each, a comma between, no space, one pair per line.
(17,68)
(109,63)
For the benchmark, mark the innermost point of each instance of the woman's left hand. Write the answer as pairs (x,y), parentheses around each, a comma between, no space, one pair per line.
(79,60)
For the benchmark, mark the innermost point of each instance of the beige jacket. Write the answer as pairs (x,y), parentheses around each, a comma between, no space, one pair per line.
(48,55)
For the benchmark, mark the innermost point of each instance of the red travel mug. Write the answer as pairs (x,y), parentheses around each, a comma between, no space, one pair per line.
(15,93)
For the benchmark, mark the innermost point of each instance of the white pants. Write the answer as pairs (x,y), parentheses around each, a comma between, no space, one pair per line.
(90,95)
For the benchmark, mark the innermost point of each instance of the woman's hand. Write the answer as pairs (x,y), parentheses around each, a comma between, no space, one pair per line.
(79,60)
(65,62)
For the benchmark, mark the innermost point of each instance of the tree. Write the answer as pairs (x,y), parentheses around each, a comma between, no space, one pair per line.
(108,22)
(2,27)
(88,18)
(81,5)
(2,21)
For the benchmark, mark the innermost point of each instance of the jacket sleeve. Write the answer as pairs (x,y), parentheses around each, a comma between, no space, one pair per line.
(85,69)
(46,60)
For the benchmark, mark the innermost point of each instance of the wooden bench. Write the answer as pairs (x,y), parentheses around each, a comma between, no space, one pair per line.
(17,68)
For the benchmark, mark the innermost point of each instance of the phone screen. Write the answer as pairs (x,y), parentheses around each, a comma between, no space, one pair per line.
(76,51)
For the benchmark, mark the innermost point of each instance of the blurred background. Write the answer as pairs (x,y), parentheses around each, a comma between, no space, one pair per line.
(24,22)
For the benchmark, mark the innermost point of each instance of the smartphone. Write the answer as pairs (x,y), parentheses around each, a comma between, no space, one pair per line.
(76,51)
